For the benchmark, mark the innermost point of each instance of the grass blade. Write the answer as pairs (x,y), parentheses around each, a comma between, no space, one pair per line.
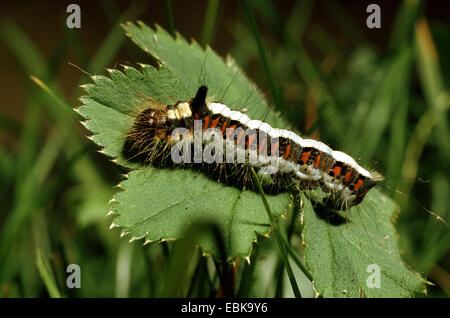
(278,237)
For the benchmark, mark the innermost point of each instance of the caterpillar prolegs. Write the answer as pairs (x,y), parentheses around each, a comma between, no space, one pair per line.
(225,143)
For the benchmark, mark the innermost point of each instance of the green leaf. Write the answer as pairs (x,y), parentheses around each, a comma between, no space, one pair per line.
(339,255)
(160,204)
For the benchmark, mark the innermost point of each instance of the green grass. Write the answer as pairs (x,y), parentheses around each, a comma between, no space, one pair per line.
(389,107)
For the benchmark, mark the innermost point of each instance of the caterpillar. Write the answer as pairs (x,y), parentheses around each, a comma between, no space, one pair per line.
(211,137)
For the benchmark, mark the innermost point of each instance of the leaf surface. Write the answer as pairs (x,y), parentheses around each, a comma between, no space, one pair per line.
(360,257)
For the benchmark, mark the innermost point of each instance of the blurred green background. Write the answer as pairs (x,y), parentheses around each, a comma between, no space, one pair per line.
(379,94)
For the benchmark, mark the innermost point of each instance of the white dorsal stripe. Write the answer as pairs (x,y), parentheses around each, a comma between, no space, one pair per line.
(236,115)
(265,127)
(244,119)
(317,144)
(254,124)
(216,108)
(224,110)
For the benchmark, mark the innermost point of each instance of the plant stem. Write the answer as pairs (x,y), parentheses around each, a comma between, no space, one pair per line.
(278,236)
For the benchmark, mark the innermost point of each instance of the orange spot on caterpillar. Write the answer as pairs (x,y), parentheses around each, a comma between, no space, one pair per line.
(196,116)
(240,136)
(215,122)
(262,146)
(317,163)
(206,123)
(337,171)
(224,126)
(305,156)
(347,176)
(286,152)
(358,184)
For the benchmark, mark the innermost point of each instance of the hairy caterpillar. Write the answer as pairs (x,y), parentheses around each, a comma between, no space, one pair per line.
(283,159)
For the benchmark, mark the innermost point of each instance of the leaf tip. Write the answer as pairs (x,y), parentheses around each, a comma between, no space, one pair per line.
(113,225)
(134,238)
